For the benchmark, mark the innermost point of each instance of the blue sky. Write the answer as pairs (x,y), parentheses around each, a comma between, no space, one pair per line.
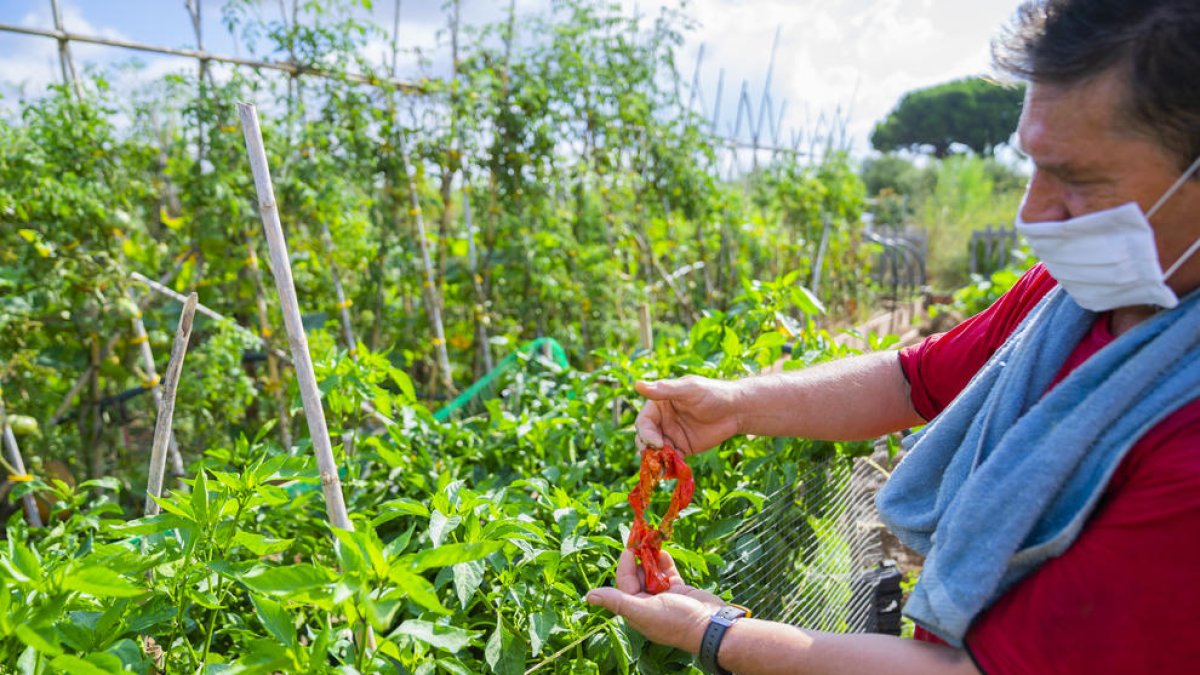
(861,55)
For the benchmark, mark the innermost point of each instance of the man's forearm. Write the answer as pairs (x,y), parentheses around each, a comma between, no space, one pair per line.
(753,647)
(846,400)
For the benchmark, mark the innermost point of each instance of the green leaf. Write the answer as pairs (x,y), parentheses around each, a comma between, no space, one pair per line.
(260,545)
(541,623)
(410,507)
(101,582)
(730,344)
(151,525)
(467,578)
(275,619)
(22,564)
(806,301)
(200,498)
(396,546)
(573,543)
(505,652)
(448,638)
(38,639)
(418,589)
(286,581)
(77,666)
(453,554)
(440,526)
(169,505)
(130,655)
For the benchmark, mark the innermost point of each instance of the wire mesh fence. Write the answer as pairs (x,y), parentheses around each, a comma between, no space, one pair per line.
(812,556)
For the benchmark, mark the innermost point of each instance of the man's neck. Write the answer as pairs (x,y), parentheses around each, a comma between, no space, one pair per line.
(1125,318)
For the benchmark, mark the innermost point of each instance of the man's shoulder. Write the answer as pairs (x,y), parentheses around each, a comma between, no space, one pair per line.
(1033,285)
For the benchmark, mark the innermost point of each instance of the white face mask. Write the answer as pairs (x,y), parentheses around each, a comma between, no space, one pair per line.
(1107,259)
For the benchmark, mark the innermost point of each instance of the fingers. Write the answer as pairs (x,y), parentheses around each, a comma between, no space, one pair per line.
(667,565)
(649,427)
(615,601)
(659,390)
(627,573)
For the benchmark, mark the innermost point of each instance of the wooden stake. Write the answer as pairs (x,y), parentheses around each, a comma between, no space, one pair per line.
(143,340)
(166,410)
(335,504)
(18,466)
(433,306)
(70,76)
(645,328)
(342,304)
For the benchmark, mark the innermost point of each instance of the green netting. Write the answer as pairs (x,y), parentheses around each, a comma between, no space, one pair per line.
(544,343)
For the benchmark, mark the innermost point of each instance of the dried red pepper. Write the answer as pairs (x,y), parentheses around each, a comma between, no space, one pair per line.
(658,464)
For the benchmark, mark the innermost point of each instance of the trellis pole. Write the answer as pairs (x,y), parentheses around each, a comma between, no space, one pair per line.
(343,304)
(335,505)
(143,341)
(166,409)
(281,269)
(433,306)
(65,61)
(18,465)
(645,329)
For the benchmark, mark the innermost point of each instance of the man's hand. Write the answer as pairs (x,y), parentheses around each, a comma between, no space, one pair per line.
(676,617)
(691,413)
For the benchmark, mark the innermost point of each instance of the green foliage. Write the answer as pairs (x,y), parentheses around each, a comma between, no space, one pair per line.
(473,543)
(973,112)
(982,292)
(592,190)
(947,200)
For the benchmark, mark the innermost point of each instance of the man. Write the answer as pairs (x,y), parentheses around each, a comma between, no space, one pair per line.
(1057,495)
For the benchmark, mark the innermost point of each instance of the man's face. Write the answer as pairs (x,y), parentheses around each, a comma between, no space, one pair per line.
(1087,159)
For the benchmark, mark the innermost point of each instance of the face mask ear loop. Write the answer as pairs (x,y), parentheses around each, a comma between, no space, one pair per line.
(1174,188)
(1163,200)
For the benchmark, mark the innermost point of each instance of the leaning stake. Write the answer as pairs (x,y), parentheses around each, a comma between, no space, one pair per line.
(18,466)
(166,407)
(335,505)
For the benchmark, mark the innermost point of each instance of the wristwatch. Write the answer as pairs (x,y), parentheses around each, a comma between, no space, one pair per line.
(710,644)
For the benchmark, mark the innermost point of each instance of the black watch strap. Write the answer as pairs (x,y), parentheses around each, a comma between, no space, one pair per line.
(710,644)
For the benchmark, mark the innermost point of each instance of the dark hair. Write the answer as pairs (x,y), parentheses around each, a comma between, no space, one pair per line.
(1158,41)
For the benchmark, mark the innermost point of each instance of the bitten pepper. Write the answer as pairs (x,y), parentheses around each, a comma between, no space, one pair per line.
(658,464)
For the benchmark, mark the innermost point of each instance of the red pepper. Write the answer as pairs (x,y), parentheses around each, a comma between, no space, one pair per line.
(658,464)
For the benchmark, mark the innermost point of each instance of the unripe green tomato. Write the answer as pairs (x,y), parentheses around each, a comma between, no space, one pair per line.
(23,425)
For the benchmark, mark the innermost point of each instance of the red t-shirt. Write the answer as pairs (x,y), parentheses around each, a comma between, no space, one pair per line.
(1124,598)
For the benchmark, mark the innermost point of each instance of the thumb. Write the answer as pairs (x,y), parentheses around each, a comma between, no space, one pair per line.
(659,390)
(614,600)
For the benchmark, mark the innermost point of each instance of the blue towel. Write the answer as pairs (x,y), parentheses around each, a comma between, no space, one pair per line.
(1006,476)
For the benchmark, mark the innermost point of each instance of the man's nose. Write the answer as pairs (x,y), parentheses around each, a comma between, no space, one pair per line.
(1044,200)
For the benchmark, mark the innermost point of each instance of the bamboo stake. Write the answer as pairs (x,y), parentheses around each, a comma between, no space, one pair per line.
(201,309)
(433,306)
(97,458)
(645,329)
(290,68)
(18,465)
(166,410)
(343,304)
(264,327)
(335,504)
(65,61)
(331,485)
(143,340)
